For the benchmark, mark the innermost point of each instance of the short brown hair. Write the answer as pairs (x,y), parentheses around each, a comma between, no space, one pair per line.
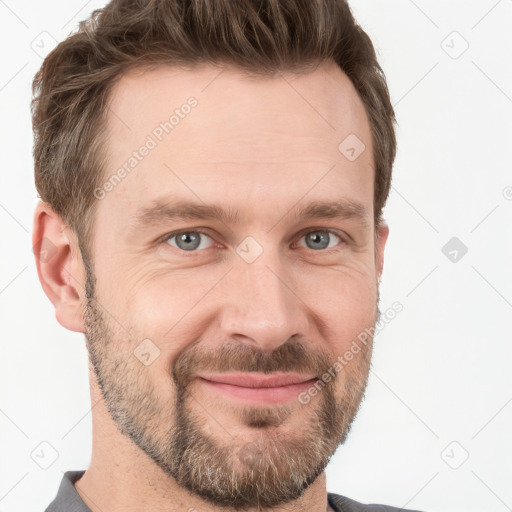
(72,88)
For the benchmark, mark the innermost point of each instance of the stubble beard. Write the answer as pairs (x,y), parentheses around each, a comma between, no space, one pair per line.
(271,466)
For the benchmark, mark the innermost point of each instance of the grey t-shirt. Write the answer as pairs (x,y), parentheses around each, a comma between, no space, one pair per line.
(68,499)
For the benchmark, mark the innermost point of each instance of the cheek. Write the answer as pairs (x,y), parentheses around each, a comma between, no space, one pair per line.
(345,301)
(171,308)
(162,298)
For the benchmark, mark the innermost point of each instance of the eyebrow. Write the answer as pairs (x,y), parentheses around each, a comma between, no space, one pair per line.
(160,212)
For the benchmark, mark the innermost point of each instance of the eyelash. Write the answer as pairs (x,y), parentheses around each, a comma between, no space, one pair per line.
(168,236)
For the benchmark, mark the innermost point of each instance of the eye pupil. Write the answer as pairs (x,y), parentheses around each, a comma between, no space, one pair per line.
(191,240)
(316,237)
(185,238)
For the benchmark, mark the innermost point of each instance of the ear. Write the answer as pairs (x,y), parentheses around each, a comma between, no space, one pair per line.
(381,237)
(59,266)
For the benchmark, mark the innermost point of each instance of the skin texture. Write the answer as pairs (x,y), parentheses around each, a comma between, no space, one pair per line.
(162,440)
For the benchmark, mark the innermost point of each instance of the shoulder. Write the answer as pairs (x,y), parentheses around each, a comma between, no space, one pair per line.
(343,504)
(67,498)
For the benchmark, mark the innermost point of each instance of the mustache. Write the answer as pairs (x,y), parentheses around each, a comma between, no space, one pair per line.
(291,356)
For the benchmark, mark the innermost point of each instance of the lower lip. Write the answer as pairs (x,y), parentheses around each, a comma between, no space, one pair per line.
(275,395)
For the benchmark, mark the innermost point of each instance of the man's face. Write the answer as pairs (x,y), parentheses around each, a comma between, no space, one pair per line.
(268,292)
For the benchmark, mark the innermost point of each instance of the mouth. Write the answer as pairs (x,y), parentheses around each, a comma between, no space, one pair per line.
(258,388)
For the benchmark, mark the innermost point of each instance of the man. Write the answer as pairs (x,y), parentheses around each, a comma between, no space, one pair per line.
(223,375)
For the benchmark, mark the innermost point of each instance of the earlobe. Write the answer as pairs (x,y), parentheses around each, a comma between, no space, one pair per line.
(59,266)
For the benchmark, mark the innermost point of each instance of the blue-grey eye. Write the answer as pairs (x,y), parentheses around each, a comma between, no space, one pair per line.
(188,240)
(321,239)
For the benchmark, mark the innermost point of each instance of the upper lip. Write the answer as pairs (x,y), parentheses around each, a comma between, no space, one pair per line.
(252,380)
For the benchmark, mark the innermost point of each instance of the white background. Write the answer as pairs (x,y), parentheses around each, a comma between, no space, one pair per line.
(440,388)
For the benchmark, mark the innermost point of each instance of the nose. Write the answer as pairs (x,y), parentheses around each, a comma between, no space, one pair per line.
(262,308)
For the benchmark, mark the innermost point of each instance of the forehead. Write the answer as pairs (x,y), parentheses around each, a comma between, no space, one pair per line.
(323,101)
(259,137)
